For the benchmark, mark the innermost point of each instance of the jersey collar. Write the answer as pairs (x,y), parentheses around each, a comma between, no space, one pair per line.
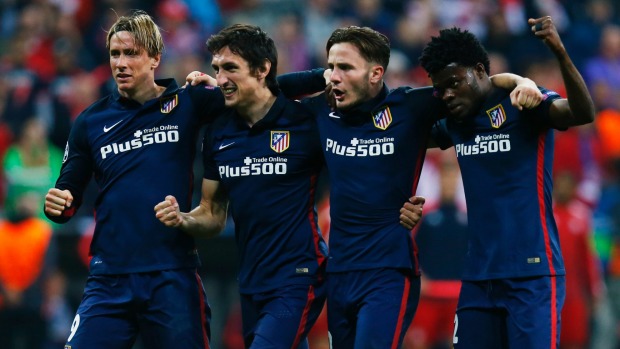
(272,116)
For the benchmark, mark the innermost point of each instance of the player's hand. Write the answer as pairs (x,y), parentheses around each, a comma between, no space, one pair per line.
(196,78)
(57,200)
(526,95)
(411,212)
(168,212)
(327,74)
(545,29)
(329,95)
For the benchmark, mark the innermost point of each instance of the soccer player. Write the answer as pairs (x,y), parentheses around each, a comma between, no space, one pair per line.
(139,144)
(374,145)
(263,156)
(513,282)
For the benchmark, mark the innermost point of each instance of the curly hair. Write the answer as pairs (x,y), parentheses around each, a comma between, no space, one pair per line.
(252,44)
(453,46)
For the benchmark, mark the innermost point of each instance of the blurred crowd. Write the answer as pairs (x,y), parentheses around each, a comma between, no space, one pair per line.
(53,64)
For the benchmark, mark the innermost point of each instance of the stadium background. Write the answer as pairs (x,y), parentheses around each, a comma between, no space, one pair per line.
(53,64)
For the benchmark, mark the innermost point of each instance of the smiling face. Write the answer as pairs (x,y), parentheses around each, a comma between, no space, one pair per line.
(132,68)
(235,79)
(462,89)
(354,79)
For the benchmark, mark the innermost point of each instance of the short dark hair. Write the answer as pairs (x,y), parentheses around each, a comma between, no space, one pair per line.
(252,44)
(373,46)
(453,46)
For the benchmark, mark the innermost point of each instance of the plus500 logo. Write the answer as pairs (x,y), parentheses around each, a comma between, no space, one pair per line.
(255,169)
(142,141)
(356,149)
(483,147)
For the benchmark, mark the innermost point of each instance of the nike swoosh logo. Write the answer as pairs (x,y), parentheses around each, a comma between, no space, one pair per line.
(333,115)
(106,129)
(222,146)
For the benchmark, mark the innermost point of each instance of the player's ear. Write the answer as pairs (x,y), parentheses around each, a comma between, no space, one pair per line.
(155,61)
(480,71)
(264,69)
(376,74)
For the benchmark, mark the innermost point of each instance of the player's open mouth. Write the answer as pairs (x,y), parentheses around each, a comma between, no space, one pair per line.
(339,95)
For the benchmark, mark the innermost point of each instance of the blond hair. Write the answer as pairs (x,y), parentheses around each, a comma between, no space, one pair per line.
(145,32)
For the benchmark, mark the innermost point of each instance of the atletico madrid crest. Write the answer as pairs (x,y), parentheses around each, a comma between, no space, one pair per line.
(497,116)
(382,118)
(280,140)
(168,103)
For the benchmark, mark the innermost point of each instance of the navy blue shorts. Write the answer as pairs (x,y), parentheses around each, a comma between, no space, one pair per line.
(281,318)
(370,308)
(168,309)
(510,313)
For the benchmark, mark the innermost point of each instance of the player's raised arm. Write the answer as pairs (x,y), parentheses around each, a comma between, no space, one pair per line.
(578,107)
(206,220)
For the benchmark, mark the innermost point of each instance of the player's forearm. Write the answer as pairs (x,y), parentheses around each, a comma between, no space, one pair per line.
(204,223)
(509,80)
(302,83)
(579,99)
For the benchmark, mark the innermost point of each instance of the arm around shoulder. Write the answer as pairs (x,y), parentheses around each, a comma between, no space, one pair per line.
(297,84)
(525,93)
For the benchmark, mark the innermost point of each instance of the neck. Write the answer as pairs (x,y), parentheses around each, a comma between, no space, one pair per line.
(256,110)
(143,95)
(375,89)
(484,86)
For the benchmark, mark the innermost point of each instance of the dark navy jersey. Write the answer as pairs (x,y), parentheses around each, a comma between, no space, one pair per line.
(270,172)
(506,158)
(138,155)
(374,154)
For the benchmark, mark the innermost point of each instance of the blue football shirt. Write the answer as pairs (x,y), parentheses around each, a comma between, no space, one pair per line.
(138,154)
(270,173)
(374,155)
(506,159)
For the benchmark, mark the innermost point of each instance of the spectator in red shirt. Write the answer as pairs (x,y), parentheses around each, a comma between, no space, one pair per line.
(583,276)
